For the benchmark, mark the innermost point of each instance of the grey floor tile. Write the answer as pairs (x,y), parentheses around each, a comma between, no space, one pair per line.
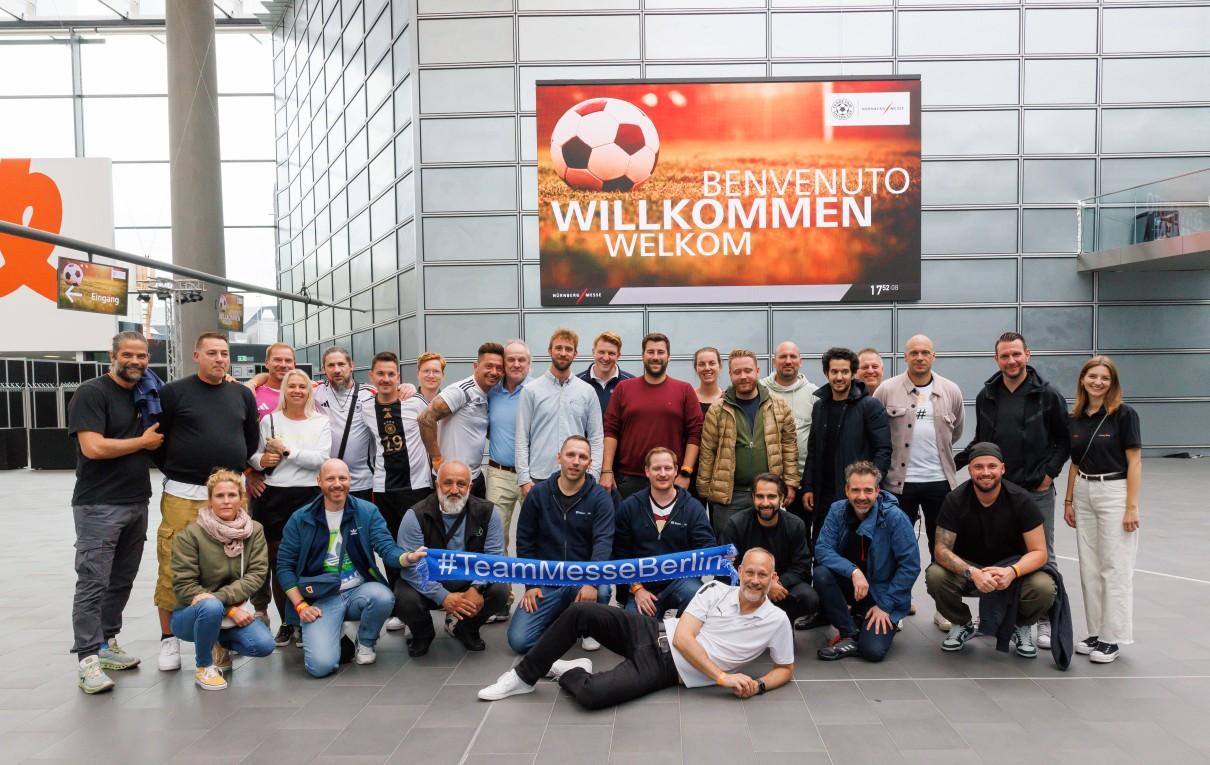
(334,708)
(453,706)
(859,744)
(782,728)
(586,744)
(653,728)
(838,703)
(433,746)
(291,746)
(375,731)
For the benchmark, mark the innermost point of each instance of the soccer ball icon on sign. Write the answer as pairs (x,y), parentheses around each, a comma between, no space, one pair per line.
(604,144)
(73,274)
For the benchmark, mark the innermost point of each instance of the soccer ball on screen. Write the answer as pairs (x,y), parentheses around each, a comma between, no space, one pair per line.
(73,274)
(604,144)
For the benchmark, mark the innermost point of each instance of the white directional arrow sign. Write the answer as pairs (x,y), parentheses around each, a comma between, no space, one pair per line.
(69,294)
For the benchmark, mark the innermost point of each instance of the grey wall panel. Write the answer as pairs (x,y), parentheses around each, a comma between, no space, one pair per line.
(478,238)
(705,35)
(690,330)
(530,282)
(816,331)
(470,287)
(949,232)
(968,435)
(1154,80)
(446,91)
(528,75)
(1154,327)
(990,132)
(948,33)
(1058,180)
(1048,230)
(698,71)
(578,5)
(1061,371)
(1054,279)
(469,40)
(1055,131)
(956,329)
(966,83)
(968,182)
(529,237)
(458,370)
(587,324)
(1174,423)
(1053,328)
(581,38)
(1155,130)
(469,189)
(460,334)
(1118,174)
(969,281)
(1156,30)
(832,68)
(1158,285)
(529,139)
(1060,81)
(1061,31)
(836,35)
(409,338)
(968,372)
(1163,375)
(462,6)
(486,139)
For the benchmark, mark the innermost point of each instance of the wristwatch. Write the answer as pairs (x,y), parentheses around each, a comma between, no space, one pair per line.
(967,573)
(760,687)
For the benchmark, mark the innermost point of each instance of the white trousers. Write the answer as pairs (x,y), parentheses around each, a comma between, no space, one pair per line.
(1107,553)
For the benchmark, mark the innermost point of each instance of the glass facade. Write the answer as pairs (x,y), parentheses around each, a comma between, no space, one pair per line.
(406,175)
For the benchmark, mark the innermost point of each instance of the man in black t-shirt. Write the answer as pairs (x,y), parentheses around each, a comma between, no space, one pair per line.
(989,533)
(109,503)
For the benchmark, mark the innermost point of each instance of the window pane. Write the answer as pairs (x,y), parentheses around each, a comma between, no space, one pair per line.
(249,255)
(37,128)
(45,70)
(125,64)
(248,193)
(243,63)
(126,128)
(246,127)
(141,195)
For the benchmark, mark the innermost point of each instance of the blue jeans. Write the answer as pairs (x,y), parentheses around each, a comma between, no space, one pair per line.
(835,597)
(525,628)
(369,603)
(676,594)
(201,624)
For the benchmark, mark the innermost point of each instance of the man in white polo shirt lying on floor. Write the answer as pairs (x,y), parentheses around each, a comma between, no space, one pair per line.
(723,628)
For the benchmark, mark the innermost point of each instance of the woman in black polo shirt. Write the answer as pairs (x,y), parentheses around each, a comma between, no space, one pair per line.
(1102,505)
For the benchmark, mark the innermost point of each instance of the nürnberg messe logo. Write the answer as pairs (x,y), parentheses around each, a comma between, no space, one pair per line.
(843,109)
(604,144)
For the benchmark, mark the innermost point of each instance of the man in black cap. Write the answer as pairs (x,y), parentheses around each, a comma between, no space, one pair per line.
(983,524)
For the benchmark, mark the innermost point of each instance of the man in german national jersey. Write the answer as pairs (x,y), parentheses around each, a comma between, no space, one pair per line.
(341,398)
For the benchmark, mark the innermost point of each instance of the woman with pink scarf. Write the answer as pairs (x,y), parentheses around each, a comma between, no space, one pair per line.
(218,561)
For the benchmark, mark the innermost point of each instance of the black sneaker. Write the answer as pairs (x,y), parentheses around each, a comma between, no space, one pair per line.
(347,649)
(419,644)
(842,647)
(468,637)
(957,637)
(1104,653)
(810,622)
(1087,645)
(284,635)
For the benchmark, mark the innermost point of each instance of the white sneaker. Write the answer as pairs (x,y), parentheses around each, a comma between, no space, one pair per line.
(91,677)
(394,624)
(1043,634)
(509,684)
(365,654)
(170,654)
(942,623)
(559,667)
(590,644)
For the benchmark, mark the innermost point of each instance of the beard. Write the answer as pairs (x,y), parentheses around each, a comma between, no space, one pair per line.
(129,372)
(451,505)
(655,368)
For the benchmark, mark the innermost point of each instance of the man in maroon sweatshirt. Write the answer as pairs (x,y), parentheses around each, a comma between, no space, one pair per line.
(646,412)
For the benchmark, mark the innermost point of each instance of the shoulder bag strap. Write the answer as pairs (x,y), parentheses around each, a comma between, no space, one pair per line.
(448,535)
(344,440)
(1094,435)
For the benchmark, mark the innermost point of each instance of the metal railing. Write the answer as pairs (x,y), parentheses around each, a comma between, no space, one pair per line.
(1171,207)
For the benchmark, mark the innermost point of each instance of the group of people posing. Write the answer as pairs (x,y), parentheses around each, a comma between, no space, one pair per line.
(314,500)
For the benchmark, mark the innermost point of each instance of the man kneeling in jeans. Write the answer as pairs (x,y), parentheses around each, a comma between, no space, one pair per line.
(327,548)
(866,559)
(723,628)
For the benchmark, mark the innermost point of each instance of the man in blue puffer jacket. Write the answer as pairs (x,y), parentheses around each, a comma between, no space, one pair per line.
(326,566)
(661,519)
(867,559)
(566,517)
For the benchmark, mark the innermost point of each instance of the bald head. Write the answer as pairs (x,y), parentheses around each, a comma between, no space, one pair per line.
(786,363)
(334,483)
(918,354)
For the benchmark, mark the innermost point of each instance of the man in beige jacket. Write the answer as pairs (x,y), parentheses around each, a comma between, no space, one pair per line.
(925,414)
(748,432)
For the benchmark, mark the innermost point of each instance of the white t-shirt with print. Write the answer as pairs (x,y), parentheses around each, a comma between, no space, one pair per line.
(924,462)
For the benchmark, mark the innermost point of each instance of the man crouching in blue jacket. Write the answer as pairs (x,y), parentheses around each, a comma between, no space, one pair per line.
(326,566)
(661,519)
(566,517)
(866,558)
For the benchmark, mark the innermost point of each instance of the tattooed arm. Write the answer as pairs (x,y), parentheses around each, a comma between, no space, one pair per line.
(944,555)
(437,411)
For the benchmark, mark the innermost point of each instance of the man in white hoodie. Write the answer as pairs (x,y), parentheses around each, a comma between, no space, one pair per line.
(788,383)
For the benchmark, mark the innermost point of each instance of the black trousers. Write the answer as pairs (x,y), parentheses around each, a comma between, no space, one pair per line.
(479,488)
(647,666)
(271,510)
(366,494)
(394,505)
(630,484)
(926,497)
(802,601)
(413,607)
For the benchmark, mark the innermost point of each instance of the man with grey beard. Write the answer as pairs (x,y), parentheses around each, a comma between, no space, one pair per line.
(450,519)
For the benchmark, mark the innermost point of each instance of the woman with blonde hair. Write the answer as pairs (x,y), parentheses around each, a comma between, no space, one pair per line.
(218,561)
(1102,505)
(295,440)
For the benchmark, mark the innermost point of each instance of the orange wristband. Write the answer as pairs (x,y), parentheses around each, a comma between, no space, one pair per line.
(719,680)
(231,612)
(300,606)
(1016,571)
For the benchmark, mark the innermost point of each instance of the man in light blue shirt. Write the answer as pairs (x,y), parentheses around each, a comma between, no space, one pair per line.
(503,489)
(554,406)
(450,519)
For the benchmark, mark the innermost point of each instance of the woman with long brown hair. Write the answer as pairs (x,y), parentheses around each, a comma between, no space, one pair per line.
(1102,505)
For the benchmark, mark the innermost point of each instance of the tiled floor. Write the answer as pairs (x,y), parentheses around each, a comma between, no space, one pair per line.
(919,706)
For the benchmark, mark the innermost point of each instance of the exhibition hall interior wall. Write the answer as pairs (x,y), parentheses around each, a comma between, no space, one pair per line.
(406,149)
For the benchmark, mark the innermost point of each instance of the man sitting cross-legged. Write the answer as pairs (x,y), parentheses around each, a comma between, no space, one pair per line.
(723,628)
